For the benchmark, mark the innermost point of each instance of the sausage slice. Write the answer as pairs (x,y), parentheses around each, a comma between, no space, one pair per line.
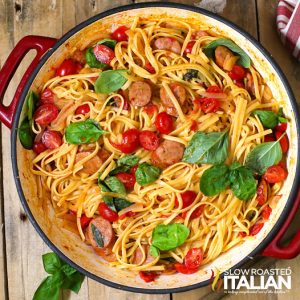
(91,166)
(138,256)
(140,93)
(168,43)
(222,53)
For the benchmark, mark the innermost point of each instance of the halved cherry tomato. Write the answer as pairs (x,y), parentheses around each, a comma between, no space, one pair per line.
(127,179)
(118,100)
(181,268)
(127,214)
(281,127)
(164,123)
(120,34)
(256,228)
(284,141)
(275,174)
(133,169)
(38,147)
(262,192)
(150,109)
(51,139)
(104,54)
(149,140)
(68,67)
(239,84)
(130,141)
(266,212)
(47,96)
(149,68)
(85,221)
(237,73)
(188,197)
(107,213)
(269,138)
(213,89)
(189,47)
(242,234)
(82,109)
(194,125)
(193,258)
(195,214)
(210,105)
(45,114)
(148,276)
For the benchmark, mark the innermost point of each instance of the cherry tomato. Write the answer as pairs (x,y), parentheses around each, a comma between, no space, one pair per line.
(149,140)
(242,234)
(195,214)
(104,54)
(68,67)
(149,68)
(193,258)
(188,197)
(151,109)
(213,89)
(82,109)
(45,114)
(120,34)
(194,125)
(239,84)
(107,213)
(269,138)
(210,105)
(237,73)
(148,276)
(118,100)
(51,139)
(181,268)
(284,141)
(275,174)
(256,228)
(85,221)
(133,169)
(127,214)
(164,123)
(189,47)
(130,141)
(266,212)
(127,179)
(262,192)
(47,97)
(281,127)
(38,147)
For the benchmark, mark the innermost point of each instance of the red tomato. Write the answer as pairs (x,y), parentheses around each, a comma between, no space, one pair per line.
(130,141)
(275,174)
(107,213)
(281,127)
(127,179)
(47,96)
(188,197)
(195,214)
(133,170)
(284,141)
(151,109)
(242,234)
(51,139)
(148,276)
(149,140)
(104,54)
(237,73)
(189,47)
(149,68)
(210,105)
(38,147)
(120,34)
(118,100)
(164,123)
(127,214)
(45,114)
(84,221)
(181,268)
(266,212)
(194,125)
(213,89)
(193,258)
(255,229)
(269,138)
(262,192)
(68,67)
(239,84)
(82,109)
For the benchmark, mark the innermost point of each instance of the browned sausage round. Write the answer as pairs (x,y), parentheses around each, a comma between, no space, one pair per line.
(106,254)
(79,56)
(198,34)
(92,165)
(140,93)
(168,43)
(221,53)
(138,256)
(167,154)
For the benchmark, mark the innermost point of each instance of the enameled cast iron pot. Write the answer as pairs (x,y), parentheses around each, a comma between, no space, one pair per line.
(51,52)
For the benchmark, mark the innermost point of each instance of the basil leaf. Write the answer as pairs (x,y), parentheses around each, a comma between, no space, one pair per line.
(73,282)
(97,236)
(108,42)
(167,237)
(84,132)
(264,156)
(207,148)
(128,160)
(120,169)
(49,288)
(268,118)
(51,262)
(68,270)
(110,81)
(92,61)
(154,251)
(190,74)
(282,120)
(104,188)
(280,112)
(244,59)
(121,203)
(26,135)
(146,174)
(214,180)
(115,185)
(31,100)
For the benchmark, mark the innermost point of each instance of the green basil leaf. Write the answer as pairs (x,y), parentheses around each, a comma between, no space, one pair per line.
(264,156)
(108,42)
(243,183)
(190,74)
(115,185)
(146,174)
(244,59)
(121,204)
(280,112)
(26,135)
(282,120)
(207,148)
(84,132)
(214,180)
(104,188)
(51,262)
(120,169)
(110,81)
(49,288)
(268,118)
(128,160)
(97,236)
(31,101)
(92,61)
(68,270)
(167,237)
(154,251)
(73,282)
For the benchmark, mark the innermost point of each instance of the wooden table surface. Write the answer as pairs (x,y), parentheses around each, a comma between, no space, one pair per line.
(21,269)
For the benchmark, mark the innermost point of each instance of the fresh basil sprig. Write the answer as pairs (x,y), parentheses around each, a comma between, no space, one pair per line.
(207,148)
(92,61)
(244,59)
(124,164)
(146,174)
(110,81)
(115,185)
(84,132)
(269,119)
(154,251)
(108,42)
(62,276)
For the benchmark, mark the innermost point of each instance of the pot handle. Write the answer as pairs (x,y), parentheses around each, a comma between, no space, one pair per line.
(293,248)
(41,44)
